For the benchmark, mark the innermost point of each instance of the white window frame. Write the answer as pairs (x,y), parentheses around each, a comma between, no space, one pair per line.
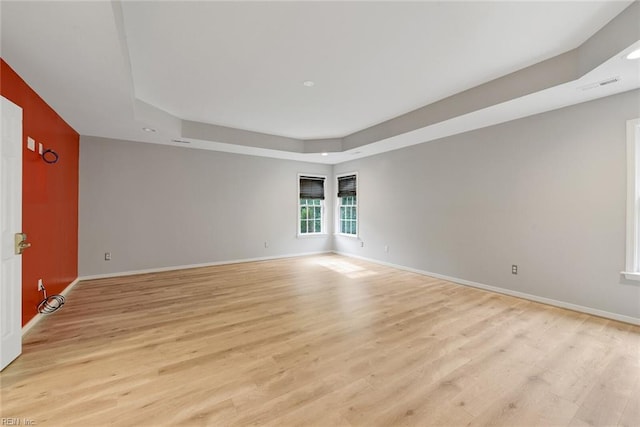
(357,205)
(632,268)
(323,210)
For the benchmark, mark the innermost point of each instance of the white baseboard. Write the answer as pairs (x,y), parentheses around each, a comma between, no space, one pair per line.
(31,323)
(530,297)
(187,266)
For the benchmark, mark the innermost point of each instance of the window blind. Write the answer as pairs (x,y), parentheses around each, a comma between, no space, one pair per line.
(347,186)
(311,187)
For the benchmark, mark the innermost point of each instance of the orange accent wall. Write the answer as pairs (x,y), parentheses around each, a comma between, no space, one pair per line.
(49,195)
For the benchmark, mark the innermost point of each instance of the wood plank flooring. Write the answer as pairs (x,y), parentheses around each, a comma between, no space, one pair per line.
(323,340)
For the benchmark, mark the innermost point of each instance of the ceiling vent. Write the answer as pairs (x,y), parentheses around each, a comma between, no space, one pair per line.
(605,82)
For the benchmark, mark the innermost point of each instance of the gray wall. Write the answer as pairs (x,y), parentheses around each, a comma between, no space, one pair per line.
(547,193)
(156,206)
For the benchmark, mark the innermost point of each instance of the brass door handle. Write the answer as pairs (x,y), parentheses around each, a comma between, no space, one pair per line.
(21,243)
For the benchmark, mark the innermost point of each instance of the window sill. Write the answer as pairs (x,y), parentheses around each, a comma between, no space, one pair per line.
(349,236)
(630,275)
(312,235)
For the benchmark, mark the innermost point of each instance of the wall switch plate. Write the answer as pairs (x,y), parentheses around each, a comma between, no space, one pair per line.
(361,244)
(107,256)
(514,269)
(31,143)
(40,285)
(266,244)
(40,148)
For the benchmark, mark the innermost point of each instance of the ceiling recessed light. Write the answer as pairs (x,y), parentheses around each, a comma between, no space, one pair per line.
(634,55)
(308,83)
(148,129)
(325,154)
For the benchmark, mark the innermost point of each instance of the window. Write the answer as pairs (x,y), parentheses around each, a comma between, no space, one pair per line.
(348,205)
(632,270)
(348,215)
(311,205)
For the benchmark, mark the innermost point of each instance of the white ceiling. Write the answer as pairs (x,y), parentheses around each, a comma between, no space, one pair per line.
(111,68)
(242,64)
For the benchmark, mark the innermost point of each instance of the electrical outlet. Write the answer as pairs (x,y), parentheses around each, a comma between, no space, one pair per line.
(40,285)
(107,256)
(514,269)
(266,244)
(386,248)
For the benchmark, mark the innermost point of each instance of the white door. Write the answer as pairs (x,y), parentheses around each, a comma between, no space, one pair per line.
(11,222)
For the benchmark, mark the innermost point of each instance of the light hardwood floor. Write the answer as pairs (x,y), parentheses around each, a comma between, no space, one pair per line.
(322,340)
